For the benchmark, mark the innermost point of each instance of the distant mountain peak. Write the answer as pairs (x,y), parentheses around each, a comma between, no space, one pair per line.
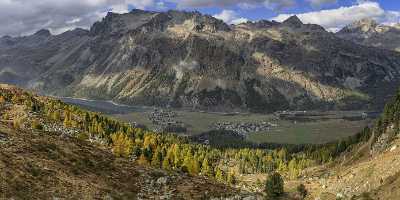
(43,32)
(366,25)
(366,22)
(370,33)
(293,21)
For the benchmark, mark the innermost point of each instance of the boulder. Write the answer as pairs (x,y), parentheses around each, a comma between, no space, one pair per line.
(162,180)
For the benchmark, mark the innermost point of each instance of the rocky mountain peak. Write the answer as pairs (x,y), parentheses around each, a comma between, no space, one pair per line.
(200,22)
(366,25)
(368,32)
(118,24)
(293,21)
(43,33)
(366,22)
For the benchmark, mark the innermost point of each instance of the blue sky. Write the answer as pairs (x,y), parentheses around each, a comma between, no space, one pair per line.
(21,17)
(332,14)
(262,12)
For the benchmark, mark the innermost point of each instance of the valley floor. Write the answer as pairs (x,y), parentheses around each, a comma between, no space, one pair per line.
(326,127)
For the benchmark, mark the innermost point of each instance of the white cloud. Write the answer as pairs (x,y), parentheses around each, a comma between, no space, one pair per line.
(335,19)
(230,17)
(20,17)
(272,4)
(140,4)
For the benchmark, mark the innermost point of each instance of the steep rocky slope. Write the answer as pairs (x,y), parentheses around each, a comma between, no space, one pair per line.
(186,59)
(371,176)
(368,170)
(35,165)
(368,32)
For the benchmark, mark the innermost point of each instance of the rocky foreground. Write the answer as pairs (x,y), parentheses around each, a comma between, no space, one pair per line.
(38,165)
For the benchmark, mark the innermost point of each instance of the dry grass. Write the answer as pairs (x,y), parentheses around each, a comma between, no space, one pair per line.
(46,166)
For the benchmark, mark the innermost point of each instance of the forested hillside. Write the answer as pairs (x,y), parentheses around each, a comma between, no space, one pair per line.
(27,111)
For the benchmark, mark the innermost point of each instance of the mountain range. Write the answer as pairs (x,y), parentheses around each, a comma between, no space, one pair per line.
(187,59)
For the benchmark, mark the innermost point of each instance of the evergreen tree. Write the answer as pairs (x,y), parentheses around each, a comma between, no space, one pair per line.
(2,100)
(292,167)
(219,175)
(67,118)
(122,145)
(187,163)
(56,116)
(206,168)
(166,164)
(157,158)
(274,185)
(195,167)
(231,178)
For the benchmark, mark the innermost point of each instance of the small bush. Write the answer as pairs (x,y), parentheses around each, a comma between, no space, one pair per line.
(36,125)
(83,136)
(301,189)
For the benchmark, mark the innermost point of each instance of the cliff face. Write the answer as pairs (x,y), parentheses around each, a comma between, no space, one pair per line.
(192,60)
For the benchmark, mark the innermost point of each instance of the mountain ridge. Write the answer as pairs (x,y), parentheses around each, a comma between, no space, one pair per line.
(186,59)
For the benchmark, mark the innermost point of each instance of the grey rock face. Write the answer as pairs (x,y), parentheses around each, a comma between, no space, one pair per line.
(186,59)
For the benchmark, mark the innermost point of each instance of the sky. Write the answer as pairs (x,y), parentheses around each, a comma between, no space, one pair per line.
(23,17)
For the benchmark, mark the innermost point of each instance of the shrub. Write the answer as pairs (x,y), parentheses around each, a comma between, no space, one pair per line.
(36,125)
(301,189)
(83,136)
(17,123)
